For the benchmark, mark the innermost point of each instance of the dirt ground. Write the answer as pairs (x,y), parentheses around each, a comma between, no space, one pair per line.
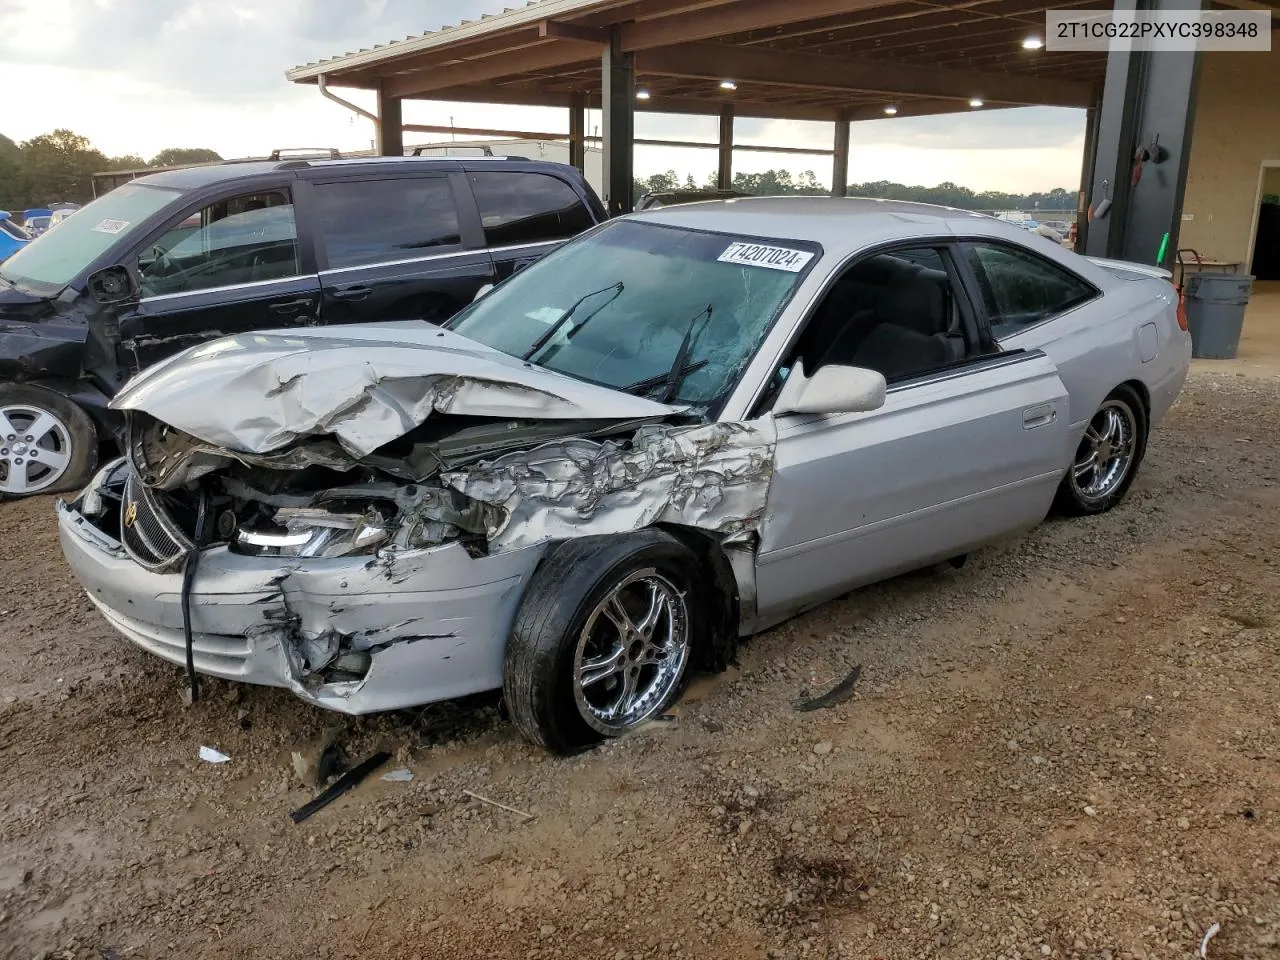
(1068,748)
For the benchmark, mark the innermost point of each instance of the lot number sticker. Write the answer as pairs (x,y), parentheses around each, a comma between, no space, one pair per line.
(759,255)
(111,226)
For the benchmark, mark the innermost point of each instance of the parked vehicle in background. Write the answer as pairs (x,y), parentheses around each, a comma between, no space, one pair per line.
(173,259)
(667,198)
(12,237)
(677,430)
(60,211)
(36,220)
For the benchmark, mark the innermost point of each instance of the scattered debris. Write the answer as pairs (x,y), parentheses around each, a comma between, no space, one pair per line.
(495,803)
(110,953)
(402,775)
(243,718)
(210,755)
(823,747)
(1208,935)
(340,786)
(840,693)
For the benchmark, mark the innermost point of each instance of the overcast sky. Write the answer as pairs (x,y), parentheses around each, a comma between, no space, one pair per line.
(136,76)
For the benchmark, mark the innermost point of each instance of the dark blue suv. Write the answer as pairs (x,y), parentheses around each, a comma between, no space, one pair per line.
(168,260)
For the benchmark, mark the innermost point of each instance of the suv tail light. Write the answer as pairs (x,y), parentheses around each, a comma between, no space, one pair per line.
(1182,309)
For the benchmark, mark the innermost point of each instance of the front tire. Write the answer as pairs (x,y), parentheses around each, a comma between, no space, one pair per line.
(1108,457)
(603,638)
(48,444)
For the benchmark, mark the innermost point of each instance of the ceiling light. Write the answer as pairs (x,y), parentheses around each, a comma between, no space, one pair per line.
(642,94)
(891,110)
(975,102)
(728,85)
(1032,43)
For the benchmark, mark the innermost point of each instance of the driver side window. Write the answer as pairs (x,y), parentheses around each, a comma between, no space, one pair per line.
(895,312)
(229,242)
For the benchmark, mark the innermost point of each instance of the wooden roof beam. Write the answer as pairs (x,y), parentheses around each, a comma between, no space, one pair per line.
(714,61)
(546,55)
(739,17)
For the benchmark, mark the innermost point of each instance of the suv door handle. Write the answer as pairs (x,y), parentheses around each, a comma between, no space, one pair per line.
(1040,416)
(291,306)
(351,293)
(519,265)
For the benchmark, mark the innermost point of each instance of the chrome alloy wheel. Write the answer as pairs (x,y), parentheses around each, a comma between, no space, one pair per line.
(1105,455)
(631,653)
(35,449)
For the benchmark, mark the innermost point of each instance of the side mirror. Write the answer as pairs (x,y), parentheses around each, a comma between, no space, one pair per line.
(113,285)
(482,291)
(832,389)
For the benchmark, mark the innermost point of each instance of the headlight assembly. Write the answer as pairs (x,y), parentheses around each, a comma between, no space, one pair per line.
(314,532)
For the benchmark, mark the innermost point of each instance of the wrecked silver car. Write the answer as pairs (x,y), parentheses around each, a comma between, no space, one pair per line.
(676,430)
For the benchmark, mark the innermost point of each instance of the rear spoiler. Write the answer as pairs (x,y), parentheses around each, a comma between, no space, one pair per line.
(1126,266)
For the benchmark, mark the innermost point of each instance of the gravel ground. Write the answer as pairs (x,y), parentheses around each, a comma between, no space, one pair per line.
(1068,748)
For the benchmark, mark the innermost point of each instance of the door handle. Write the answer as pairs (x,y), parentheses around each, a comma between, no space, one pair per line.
(1040,416)
(291,306)
(351,293)
(519,265)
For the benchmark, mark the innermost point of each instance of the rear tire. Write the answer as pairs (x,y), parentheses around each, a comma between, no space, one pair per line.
(48,444)
(603,638)
(1108,457)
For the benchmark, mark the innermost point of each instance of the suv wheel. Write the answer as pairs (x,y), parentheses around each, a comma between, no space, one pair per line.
(47,443)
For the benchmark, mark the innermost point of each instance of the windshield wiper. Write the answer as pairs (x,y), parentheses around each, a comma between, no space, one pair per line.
(648,383)
(551,331)
(679,367)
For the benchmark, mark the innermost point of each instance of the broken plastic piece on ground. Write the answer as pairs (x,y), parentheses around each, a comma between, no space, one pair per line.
(398,776)
(840,693)
(1208,935)
(340,786)
(210,755)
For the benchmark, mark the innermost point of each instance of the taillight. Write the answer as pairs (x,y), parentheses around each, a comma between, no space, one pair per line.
(1182,310)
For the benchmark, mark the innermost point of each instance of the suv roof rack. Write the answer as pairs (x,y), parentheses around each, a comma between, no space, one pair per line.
(329,153)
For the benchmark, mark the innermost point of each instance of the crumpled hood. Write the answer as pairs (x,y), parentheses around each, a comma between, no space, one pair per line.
(363,385)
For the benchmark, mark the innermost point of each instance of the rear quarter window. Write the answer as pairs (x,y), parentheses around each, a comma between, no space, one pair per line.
(518,207)
(1021,289)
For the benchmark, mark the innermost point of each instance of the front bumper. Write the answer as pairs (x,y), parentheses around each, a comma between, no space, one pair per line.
(434,621)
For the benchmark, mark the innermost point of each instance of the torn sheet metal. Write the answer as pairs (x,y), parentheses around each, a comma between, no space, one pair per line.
(711,476)
(364,386)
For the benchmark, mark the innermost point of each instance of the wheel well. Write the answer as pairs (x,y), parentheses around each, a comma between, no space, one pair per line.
(720,649)
(1144,395)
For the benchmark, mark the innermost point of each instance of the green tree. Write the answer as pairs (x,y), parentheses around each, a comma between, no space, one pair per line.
(59,166)
(173,156)
(10,174)
(130,161)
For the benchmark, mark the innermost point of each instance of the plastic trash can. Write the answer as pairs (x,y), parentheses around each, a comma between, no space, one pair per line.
(1215,305)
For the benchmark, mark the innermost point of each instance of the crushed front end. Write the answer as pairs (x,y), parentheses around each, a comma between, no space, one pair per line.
(389,580)
(358,592)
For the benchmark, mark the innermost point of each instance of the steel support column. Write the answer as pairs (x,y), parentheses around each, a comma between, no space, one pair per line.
(619,106)
(1144,130)
(389,130)
(840,160)
(724,172)
(578,131)
(1086,174)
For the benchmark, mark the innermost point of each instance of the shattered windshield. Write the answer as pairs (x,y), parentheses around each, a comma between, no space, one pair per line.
(637,290)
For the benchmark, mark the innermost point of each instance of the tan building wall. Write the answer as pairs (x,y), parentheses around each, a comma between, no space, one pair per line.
(1237,130)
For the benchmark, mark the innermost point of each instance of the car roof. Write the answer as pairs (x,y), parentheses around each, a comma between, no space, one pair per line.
(188,178)
(827,220)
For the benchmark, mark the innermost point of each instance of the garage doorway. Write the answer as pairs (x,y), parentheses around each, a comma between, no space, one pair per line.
(1264,258)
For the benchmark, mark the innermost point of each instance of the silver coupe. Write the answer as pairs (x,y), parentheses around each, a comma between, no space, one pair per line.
(675,431)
